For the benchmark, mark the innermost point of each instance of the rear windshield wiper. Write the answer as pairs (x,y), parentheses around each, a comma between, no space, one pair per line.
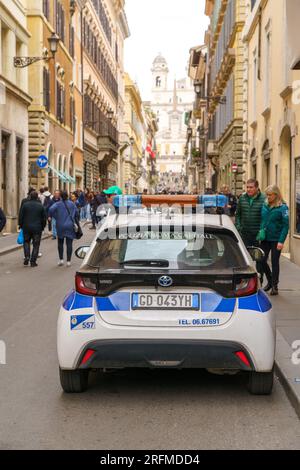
(162,263)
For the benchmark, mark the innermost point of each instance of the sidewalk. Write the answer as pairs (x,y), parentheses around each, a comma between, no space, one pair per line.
(287,309)
(8,243)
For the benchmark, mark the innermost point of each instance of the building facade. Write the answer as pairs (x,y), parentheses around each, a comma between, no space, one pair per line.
(14,102)
(226,78)
(56,91)
(271,96)
(132,164)
(170,103)
(104,31)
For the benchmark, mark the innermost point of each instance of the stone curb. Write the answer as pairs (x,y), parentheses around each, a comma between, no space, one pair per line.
(15,247)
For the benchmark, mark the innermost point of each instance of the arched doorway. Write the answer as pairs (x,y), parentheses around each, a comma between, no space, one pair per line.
(286,164)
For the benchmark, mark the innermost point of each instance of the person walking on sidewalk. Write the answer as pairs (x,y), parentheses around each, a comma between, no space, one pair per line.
(248,213)
(66,215)
(2,220)
(56,198)
(248,216)
(32,220)
(273,232)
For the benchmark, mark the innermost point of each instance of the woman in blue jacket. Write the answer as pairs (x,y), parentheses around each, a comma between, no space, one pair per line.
(273,233)
(66,215)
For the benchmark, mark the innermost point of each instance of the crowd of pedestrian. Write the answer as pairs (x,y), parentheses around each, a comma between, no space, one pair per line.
(63,213)
(262,220)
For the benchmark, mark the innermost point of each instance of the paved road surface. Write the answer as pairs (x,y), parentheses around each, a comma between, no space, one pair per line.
(139,409)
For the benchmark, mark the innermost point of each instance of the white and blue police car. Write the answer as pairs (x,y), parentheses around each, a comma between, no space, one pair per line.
(165,288)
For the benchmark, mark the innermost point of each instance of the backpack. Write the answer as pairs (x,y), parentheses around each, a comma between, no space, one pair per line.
(47,202)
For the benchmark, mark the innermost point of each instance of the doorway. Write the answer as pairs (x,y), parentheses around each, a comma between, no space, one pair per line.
(3,174)
(285,164)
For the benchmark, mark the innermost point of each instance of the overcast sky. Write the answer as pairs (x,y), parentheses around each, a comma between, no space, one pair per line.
(170,27)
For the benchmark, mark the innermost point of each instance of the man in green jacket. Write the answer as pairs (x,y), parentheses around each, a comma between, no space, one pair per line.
(248,214)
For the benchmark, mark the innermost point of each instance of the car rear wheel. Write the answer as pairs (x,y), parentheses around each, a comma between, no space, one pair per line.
(74,381)
(261,383)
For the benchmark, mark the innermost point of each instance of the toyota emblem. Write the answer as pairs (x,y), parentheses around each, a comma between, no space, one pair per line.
(165,281)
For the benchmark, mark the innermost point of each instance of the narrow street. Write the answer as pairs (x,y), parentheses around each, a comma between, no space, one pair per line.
(135,409)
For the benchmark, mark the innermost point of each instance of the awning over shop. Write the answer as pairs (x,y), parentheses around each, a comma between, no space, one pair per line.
(64,177)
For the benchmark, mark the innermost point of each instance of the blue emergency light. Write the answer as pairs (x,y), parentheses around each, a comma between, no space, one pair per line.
(207,200)
(213,200)
(127,200)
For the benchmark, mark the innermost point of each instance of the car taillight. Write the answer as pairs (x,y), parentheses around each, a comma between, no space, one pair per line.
(85,285)
(246,286)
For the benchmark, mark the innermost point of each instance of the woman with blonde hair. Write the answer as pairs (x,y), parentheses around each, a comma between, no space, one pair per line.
(274,229)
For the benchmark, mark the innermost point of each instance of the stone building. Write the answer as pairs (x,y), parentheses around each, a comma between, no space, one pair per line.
(271,103)
(226,65)
(104,31)
(14,102)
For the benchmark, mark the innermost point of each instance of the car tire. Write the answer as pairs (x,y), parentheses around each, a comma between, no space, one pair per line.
(261,383)
(74,381)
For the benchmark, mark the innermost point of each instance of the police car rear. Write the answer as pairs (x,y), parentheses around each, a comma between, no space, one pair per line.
(173,293)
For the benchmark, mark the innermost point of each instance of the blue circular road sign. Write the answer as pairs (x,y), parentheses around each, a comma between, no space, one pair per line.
(42,161)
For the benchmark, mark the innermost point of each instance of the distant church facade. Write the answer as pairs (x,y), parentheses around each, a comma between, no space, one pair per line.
(170,101)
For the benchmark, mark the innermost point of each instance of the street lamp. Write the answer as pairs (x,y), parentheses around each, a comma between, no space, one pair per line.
(53,43)
(21,62)
(189,132)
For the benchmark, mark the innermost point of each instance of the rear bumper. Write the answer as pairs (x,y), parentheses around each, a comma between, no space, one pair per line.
(164,353)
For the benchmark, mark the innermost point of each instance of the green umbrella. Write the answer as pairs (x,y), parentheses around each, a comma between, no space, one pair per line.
(113,190)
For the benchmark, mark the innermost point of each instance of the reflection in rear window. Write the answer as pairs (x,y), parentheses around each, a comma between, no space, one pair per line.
(189,251)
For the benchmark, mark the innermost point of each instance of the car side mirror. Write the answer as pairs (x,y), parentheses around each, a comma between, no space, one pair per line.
(257,254)
(82,251)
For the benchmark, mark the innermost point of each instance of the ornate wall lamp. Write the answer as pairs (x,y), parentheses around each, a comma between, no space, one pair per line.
(21,62)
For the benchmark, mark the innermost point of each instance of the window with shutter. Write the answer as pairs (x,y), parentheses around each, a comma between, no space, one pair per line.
(58,101)
(63,105)
(57,17)
(71,41)
(46,8)
(45,87)
(62,24)
(71,114)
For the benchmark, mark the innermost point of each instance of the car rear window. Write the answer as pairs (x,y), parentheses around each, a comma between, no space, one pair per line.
(210,250)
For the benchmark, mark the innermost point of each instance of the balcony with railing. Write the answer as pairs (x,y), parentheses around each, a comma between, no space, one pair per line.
(224,39)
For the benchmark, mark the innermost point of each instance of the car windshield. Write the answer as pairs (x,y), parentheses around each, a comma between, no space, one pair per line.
(211,250)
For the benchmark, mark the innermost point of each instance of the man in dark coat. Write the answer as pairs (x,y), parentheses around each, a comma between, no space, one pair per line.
(32,219)
(27,198)
(2,220)
(248,214)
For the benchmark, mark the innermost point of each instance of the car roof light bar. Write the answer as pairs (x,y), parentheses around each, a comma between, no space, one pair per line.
(207,200)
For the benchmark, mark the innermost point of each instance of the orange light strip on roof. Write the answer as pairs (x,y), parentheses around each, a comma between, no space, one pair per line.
(180,199)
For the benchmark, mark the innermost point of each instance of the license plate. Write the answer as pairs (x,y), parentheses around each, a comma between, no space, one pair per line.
(165,301)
